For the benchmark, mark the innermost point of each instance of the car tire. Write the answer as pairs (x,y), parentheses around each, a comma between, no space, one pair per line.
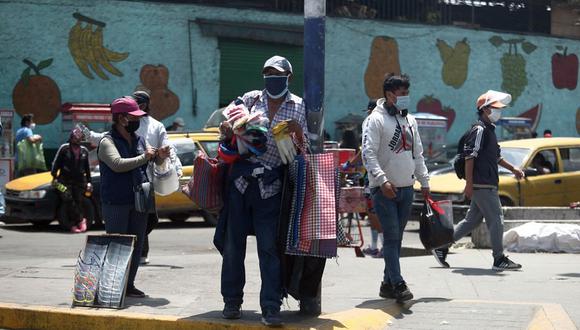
(90,214)
(209,218)
(179,217)
(505,201)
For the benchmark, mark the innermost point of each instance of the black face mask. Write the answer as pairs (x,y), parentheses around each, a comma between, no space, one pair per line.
(132,126)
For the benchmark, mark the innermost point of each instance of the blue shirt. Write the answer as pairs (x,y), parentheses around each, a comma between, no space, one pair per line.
(23,133)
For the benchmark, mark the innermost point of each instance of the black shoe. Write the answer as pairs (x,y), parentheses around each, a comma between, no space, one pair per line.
(504,263)
(386,290)
(135,293)
(310,307)
(271,318)
(402,292)
(232,312)
(441,256)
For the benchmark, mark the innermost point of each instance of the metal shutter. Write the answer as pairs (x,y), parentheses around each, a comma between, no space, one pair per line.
(241,64)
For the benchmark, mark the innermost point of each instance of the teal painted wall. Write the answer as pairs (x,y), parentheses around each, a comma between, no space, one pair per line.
(155,33)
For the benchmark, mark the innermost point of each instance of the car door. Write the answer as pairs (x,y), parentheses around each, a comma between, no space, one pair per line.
(570,174)
(543,189)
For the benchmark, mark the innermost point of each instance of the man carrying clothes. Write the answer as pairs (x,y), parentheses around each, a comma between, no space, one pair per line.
(253,195)
(393,157)
(482,155)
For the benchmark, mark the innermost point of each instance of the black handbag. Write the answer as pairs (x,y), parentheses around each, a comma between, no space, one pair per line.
(436,225)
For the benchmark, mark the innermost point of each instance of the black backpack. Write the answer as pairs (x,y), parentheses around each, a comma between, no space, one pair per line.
(459,160)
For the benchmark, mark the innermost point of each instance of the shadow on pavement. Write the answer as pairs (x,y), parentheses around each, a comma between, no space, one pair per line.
(288,317)
(161,266)
(55,228)
(570,275)
(413,252)
(147,301)
(476,271)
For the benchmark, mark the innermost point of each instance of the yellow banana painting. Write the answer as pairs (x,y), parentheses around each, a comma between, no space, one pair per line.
(86,47)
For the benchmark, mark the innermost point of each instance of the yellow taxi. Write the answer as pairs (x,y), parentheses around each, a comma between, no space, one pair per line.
(552,167)
(33,199)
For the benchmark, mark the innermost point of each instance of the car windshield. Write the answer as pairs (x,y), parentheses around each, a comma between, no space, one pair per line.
(216,118)
(186,150)
(515,156)
(211,147)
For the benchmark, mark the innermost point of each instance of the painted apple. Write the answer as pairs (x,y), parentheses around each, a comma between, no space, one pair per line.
(564,69)
(432,105)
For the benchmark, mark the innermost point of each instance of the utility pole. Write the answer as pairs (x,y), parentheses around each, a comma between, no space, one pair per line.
(314,25)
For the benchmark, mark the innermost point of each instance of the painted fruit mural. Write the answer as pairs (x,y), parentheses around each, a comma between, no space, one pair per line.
(432,105)
(564,69)
(513,65)
(384,59)
(86,47)
(164,102)
(534,113)
(455,62)
(578,121)
(37,94)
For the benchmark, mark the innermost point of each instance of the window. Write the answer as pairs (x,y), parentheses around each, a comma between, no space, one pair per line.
(545,161)
(186,150)
(570,159)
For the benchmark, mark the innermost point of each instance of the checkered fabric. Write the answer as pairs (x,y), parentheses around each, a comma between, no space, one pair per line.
(313,226)
(205,186)
(294,108)
(341,238)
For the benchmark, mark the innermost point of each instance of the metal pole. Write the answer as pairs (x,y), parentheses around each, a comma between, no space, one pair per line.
(314,23)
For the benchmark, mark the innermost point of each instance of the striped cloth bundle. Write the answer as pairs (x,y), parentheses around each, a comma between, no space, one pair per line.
(313,217)
(205,186)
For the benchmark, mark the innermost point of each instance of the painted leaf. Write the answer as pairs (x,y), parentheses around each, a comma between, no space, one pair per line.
(528,47)
(44,64)
(496,41)
(25,77)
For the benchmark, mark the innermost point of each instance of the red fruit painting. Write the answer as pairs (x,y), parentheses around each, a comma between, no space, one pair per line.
(432,105)
(534,113)
(564,69)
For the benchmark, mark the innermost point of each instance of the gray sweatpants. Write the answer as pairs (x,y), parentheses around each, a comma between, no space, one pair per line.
(484,204)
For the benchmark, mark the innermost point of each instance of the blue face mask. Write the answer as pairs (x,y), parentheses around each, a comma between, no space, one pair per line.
(276,86)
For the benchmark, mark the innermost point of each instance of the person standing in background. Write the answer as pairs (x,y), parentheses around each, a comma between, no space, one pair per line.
(155,136)
(25,132)
(177,125)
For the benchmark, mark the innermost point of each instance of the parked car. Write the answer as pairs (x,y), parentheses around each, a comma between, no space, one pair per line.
(33,199)
(556,183)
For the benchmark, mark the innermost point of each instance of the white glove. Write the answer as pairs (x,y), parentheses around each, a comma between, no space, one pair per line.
(284,142)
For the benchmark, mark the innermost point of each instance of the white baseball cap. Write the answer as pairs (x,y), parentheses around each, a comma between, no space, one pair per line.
(494,98)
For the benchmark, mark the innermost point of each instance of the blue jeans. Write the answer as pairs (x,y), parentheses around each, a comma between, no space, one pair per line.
(123,219)
(247,213)
(393,215)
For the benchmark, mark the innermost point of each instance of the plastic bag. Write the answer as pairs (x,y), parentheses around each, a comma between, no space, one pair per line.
(165,180)
(436,224)
(30,156)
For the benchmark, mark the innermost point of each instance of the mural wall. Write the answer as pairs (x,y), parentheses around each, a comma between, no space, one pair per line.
(76,51)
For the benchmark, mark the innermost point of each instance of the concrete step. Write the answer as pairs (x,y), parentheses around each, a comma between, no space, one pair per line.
(533,213)
(480,235)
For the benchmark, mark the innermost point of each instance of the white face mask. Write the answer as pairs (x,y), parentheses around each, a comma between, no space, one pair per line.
(33,126)
(403,102)
(495,115)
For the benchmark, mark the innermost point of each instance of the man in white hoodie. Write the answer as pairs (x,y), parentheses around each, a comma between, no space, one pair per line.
(393,156)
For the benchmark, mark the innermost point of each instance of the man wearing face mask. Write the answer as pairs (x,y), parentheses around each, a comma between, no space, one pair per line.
(253,195)
(393,156)
(123,157)
(25,133)
(155,136)
(482,155)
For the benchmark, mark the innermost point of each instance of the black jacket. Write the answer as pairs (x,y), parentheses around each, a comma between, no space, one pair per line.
(68,170)
(481,145)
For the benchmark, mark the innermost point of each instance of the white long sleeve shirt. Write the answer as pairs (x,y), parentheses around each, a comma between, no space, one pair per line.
(155,136)
(392,149)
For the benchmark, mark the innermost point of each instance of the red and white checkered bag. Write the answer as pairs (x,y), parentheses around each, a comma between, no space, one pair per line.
(318,219)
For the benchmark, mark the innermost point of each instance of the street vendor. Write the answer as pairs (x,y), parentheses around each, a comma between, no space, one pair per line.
(253,189)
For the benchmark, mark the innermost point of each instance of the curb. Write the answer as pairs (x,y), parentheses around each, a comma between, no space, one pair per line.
(18,316)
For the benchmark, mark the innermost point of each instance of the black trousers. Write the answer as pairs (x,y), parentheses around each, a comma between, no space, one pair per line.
(152,221)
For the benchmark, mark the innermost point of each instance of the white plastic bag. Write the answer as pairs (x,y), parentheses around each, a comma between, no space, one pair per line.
(165,179)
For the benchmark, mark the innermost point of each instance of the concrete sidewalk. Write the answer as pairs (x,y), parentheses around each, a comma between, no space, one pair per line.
(184,293)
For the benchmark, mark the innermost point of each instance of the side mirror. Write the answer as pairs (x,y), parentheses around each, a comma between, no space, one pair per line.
(530,171)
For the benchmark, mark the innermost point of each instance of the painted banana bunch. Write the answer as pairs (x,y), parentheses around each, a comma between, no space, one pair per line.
(87,50)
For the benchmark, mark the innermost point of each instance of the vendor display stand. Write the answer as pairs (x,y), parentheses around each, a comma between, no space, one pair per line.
(6,147)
